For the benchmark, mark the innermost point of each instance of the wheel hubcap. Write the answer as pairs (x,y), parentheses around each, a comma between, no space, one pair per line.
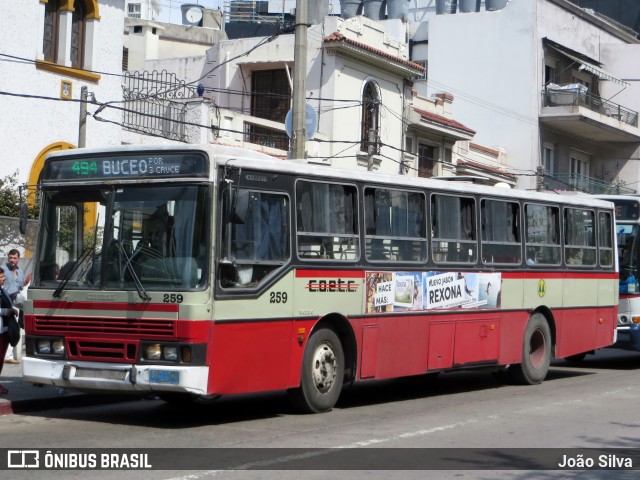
(324,369)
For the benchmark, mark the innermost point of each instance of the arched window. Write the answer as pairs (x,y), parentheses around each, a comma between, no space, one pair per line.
(68,32)
(51,24)
(78,33)
(370,135)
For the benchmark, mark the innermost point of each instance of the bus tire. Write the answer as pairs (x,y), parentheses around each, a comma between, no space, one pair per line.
(536,352)
(322,373)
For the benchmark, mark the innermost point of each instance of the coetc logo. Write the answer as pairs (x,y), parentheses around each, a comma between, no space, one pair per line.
(542,288)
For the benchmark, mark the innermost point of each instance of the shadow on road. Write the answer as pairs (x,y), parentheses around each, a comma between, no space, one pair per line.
(155,413)
(606,358)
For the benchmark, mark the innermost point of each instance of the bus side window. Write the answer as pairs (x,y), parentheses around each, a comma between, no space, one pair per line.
(395,225)
(580,241)
(501,239)
(326,221)
(454,229)
(542,234)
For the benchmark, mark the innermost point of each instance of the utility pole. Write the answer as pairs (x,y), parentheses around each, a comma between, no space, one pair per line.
(540,178)
(82,130)
(298,121)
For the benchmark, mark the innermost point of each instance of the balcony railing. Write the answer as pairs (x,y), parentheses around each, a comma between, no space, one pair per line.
(265,136)
(563,96)
(583,183)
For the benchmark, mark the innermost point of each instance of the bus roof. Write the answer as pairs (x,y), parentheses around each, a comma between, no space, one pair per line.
(241,157)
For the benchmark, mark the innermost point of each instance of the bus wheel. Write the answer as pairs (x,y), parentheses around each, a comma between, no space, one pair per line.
(322,373)
(536,352)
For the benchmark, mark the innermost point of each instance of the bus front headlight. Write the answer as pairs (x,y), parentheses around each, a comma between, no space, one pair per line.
(57,346)
(152,351)
(170,353)
(43,347)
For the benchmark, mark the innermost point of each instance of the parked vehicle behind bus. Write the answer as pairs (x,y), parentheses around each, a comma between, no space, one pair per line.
(627,211)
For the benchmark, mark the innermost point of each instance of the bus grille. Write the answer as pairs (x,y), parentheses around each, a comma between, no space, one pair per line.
(62,325)
(96,350)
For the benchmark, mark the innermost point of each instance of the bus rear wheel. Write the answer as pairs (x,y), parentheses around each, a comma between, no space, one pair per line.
(536,352)
(322,373)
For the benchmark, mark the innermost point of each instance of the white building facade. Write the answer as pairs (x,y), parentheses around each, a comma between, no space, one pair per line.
(553,84)
(66,45)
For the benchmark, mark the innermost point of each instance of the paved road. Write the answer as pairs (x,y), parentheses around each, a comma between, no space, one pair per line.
(591,405)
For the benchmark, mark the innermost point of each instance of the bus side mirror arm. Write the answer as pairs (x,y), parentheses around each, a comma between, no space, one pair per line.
(24,210)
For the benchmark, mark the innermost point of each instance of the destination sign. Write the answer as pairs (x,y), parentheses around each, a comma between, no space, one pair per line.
(627,209)
(153,165)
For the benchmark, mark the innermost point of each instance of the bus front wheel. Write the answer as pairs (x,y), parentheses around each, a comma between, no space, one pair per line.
(536,352)
(322,373)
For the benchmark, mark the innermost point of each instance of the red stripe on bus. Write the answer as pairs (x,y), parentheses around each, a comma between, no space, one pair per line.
(330,273)
(118,306)
(561,275)
(505,274)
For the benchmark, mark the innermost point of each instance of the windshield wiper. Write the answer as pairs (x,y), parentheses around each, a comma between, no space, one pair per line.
(136,280)
(83,256)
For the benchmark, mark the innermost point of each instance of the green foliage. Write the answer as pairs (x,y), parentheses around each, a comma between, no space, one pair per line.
(10,197)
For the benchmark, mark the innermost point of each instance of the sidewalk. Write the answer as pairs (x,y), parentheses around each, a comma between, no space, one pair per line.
(26,397)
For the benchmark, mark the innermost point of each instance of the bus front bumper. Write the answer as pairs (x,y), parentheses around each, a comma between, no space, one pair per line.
(116,378)
(628,337)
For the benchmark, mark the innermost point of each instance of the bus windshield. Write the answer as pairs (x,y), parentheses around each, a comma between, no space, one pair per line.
(129,237)
(628,236)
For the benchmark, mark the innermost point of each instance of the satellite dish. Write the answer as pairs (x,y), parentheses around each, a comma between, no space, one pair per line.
(310,121)
(193,15)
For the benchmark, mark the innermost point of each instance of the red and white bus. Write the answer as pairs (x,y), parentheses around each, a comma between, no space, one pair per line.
(203,271)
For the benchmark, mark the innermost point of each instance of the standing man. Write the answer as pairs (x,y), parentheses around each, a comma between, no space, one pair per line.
(14,283)
(6,310)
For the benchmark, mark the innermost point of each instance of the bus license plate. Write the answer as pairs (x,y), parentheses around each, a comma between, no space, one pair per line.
(164,376)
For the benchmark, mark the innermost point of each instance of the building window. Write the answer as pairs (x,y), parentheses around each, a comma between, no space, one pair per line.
(271,94)
(579,169)
(65,33)
(78,33)
(549,74)
(370,134)
(548,157)
(134,10)
(426,160)
(408,144)
(50,38)
(423,75)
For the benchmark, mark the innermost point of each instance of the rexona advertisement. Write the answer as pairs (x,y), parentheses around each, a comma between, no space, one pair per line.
(403,291)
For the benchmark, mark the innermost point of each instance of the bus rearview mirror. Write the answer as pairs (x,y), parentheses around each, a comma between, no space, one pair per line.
(240,206)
